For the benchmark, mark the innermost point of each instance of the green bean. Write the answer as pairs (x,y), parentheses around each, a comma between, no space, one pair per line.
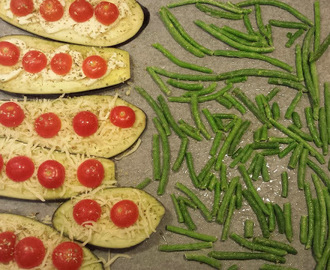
(303,229)
(257,135)
(259,20)
(316,247)
(275,267)
(298,139)
(226,200)
(181,154)
(288,149)
(288,221)
(191,169)
(322,263)
(185,247)
(237,80)
(208,90)
(302,168)
(315,79)
(298,61)
(252,164)
(190,131)
(144,183)
(311,126)
(186,216)
(275,244)
(317,24)
(177,36)
(180,63)
(166,157)
(318,170)
(223,177)
(271,217)
(246,155)
(272,94)
(323,131)
(162,86)
(264,145)
(276,111)
(240,34)
(310,210)
(192,234)
(278,4)
(210,119)
(197,118)
(169,117)
(258,167)
(253,55)
(213,181)
(282,140)
(264,172)
(248,228)
(155,107)
(156,157)
(216,143)
(187,202)
(206,213)
(177,208)
(288,24)
(279,218)
(255,246)
(248,25)
(289,83)
(327,107)
(296,119)
(322,48)
(304,135)
(216,200)
(203,259)
(243,128)
(224,102)
(233,255)
(294,37)
(240,155)
(235,103)
(218,13)
(185,86)
(293,162)
(323,213)
(258,212)
(285,184)
(205,170)
(226,226)
(233,43)
(293,105)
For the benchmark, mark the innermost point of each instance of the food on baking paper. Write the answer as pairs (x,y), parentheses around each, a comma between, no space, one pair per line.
(26,243)
(89,125)
(35,173)
(96,22)
(110,218)
(30,65)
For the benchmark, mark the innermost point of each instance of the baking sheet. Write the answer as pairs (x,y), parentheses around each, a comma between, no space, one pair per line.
(134,168)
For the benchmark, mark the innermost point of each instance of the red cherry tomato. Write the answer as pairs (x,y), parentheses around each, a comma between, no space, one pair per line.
(61,63)
(124,213)
(19,168)
(7,246)
(9,53)
(94,67)
(11,114)
(21,8)
(29,252)
(81,11)
(90,173)
(85,123)
(106,12)
(51,10)
(86,210)
(34,61)
(122,116)
(51,174)
(47,125)
(67,256)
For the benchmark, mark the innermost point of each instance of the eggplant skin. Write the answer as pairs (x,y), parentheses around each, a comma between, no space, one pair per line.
(124,30)
(104,233)
(38,85)
(24,226)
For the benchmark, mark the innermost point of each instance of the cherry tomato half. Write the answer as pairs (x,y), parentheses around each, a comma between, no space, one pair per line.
(9,53)
(51,10)
(85,123)
(19,168)
(90,173)
(51,174)
(81,11)
(94,66)
(67,256)
(124,213)
(106,12)
(61,63)
(86,210)
(21,8)
(122,116)
(29,252)
(34,61)
(11,114)
(7,246)
(47,125)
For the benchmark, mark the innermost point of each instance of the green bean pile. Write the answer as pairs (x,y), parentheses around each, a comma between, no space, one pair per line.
(303,139)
